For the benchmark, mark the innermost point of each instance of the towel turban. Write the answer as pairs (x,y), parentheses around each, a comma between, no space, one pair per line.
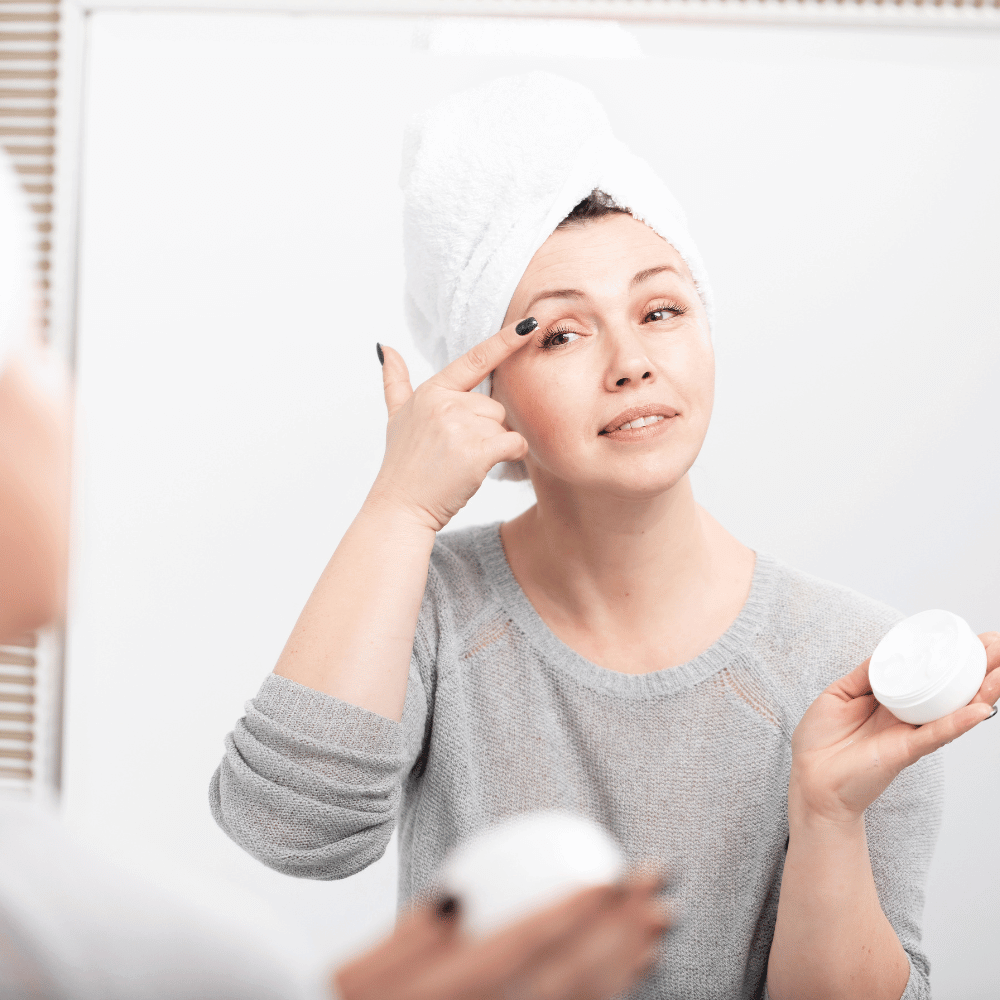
(488,174)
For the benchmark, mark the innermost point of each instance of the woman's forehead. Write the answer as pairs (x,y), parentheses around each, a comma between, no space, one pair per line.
(612,249)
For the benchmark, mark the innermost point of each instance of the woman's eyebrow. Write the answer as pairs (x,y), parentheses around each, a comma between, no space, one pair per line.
(556,293)
(642,276)
(575,293)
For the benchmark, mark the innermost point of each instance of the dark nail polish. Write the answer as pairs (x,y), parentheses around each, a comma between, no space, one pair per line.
(447,908)
(381,356)
(526,326)
(990,716)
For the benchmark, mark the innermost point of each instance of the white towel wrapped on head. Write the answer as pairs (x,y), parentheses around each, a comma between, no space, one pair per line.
(488,174)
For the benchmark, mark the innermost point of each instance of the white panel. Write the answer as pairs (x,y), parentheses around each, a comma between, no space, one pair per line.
(241,255)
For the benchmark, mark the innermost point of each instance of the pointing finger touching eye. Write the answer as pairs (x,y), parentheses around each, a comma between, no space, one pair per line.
(467,371)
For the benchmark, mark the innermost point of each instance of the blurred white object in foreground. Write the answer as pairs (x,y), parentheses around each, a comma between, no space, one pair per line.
(927,667)
(77,925)
(525,863)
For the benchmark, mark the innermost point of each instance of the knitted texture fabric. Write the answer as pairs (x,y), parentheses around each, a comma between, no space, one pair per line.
(688,767)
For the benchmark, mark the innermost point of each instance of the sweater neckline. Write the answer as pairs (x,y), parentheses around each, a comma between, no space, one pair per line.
(727,648)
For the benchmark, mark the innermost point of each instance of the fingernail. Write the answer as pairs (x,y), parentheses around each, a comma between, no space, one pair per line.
(447,908)
(381,356)
(526,326)
(990,716)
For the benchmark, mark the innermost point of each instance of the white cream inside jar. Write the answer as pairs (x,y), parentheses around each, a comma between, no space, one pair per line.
(927,667)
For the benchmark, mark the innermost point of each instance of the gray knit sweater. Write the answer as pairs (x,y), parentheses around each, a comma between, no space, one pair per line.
(687,766)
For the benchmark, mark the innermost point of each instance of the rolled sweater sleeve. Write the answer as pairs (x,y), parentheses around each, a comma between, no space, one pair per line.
(902,827)
(310,785)
(902,824)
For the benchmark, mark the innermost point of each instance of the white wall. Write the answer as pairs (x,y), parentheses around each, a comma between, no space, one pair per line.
(240,256)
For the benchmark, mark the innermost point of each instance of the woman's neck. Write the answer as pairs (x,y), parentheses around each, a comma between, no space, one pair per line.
(631,585)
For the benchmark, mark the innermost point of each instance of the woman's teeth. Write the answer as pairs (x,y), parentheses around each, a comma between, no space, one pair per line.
(641,422)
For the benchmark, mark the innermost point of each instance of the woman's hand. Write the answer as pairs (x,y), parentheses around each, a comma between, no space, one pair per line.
(832,938)
(354,638)
(589,947)
(442,438)
(847,748)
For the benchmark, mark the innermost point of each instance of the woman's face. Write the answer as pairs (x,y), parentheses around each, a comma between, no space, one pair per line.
(622,336)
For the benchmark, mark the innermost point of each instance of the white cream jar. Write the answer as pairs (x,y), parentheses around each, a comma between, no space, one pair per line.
(525,864)
(927,667)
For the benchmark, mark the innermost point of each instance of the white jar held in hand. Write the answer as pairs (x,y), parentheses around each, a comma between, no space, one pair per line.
(526,863)
(927,667)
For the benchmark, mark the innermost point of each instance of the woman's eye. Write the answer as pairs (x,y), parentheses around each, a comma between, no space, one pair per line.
(660,314)
(557,338)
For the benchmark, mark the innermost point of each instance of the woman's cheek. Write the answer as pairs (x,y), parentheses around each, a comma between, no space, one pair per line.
(689,368)
(545,416)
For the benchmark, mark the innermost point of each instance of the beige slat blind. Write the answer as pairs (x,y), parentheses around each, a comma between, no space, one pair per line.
(31,714)
(18,711)
(29,51)
(902,5)
(887,4)
(29,48)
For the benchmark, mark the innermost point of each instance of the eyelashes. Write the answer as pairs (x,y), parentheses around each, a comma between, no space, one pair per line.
(665,306)
(557,336)
(552,337)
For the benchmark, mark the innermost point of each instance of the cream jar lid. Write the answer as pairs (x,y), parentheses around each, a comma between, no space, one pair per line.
(920,656)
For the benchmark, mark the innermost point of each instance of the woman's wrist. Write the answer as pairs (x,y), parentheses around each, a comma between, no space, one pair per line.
(812,813)
(822,831)
(395,514)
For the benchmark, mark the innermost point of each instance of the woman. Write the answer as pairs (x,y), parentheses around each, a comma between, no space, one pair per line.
(613,650)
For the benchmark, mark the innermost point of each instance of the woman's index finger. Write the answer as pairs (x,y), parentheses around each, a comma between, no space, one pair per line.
(467,371)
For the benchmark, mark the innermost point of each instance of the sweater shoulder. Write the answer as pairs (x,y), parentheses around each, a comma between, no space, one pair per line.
(817,631)
(803,601)
(459,599)
(458,570)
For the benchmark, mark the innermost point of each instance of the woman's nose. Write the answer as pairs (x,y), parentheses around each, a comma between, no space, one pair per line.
(628,365)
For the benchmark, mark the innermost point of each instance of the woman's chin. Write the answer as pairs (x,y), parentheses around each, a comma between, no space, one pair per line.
(637,478)
(641,485)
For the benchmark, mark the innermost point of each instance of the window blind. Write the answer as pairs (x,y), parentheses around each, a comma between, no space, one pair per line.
(932,13)
(29,49)
(30,715)
(30,685)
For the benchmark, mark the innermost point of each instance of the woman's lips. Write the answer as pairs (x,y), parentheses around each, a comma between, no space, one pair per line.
(638,433)
(639,422)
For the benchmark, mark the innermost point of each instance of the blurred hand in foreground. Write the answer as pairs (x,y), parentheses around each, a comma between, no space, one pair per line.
(35,414)
(591,946)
